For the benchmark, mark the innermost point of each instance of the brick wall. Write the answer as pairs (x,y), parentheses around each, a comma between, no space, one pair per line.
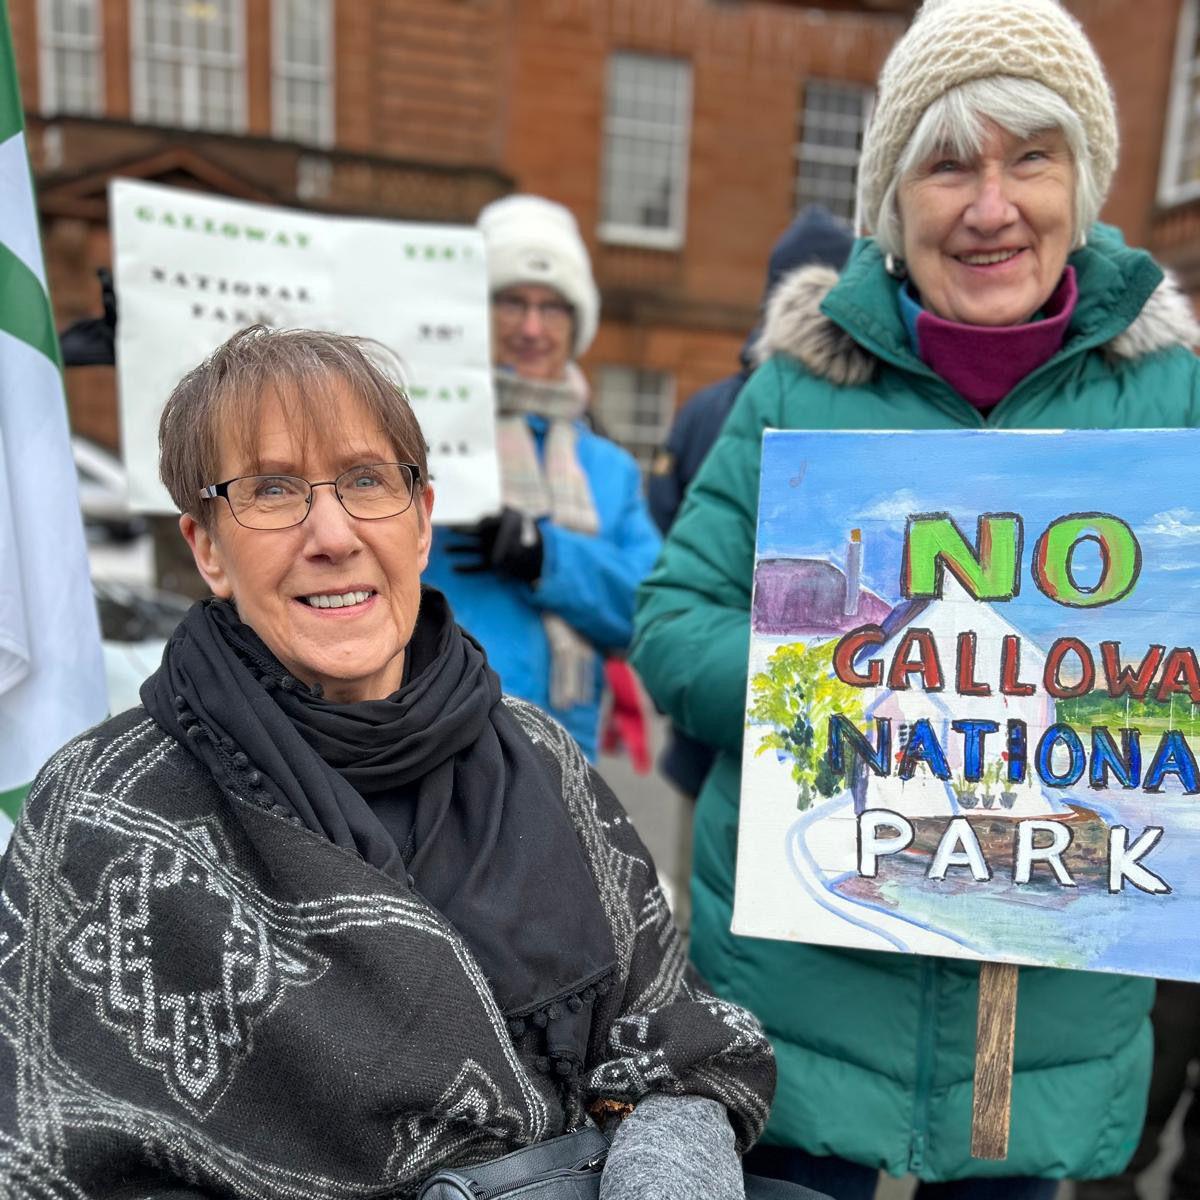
(118,89)
(22,18)
(1138,61)
(1137,46)
(517,86)
(423,79)
(685,312)
(419,79)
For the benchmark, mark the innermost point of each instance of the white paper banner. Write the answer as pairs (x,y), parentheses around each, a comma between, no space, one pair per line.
(191,269)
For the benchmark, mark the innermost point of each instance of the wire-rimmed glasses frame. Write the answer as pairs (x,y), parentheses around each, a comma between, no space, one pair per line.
(514,310)
(253,506)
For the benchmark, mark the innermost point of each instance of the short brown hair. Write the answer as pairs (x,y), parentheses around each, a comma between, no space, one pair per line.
(297,366)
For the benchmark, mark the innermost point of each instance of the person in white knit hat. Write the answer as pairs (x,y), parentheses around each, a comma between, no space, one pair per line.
(547,584)
(985,294)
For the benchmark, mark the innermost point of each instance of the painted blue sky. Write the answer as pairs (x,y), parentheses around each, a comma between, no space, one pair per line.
(817,486)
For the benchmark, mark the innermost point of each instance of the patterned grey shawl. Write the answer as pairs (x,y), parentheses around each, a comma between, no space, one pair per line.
(201,998)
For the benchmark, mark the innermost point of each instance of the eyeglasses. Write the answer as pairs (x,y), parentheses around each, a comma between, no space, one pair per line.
(370,493)
(513,310)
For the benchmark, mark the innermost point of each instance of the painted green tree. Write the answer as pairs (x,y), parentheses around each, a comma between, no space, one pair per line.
(796,695)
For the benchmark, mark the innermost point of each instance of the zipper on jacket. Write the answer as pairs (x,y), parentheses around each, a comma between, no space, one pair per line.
(925,1055)
(575,1171)
(908,362)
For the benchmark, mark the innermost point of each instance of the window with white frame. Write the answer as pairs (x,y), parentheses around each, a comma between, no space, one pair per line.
(314,177)
(302,75)
(832,120)
(1179,177)
(189,63)
(71,60)
(634,408)
(647,127)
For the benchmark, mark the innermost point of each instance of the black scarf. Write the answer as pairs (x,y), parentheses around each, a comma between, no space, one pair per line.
(491,842)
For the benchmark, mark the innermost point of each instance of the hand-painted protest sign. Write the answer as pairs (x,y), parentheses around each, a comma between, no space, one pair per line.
(191,269)
(973,712)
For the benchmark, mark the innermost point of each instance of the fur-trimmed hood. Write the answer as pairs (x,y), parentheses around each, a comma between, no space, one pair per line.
(795,325)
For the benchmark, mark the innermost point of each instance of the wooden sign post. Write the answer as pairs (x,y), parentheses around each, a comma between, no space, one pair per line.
(994,1060)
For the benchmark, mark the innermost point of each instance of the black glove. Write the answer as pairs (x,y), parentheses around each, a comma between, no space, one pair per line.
(510,544)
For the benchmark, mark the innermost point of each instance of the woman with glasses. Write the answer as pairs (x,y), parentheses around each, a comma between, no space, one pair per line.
(328,912)
(547,584)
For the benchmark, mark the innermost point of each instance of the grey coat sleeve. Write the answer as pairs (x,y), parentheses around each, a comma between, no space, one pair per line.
(673,1148)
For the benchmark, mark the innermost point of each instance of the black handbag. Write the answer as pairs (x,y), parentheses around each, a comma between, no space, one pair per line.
(561,1168)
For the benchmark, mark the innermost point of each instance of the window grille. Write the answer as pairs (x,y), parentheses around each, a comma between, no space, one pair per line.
(634,407)
(302,75)
(1179,178)
(189,63)
(647,127)
(71,57)
(833,117)
(314,177)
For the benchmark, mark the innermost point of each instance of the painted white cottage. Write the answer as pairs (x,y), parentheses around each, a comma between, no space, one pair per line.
(924,794)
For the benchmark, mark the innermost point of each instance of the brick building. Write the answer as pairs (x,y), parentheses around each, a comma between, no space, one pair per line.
(683,133)
(1151,51)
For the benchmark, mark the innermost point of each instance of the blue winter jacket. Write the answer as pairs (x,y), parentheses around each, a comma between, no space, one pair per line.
(588,580)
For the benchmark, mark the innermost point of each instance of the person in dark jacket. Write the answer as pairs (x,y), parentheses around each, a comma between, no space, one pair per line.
(89,342)
(816,236)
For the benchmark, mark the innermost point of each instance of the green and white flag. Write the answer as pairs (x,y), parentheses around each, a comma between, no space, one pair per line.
(51,669)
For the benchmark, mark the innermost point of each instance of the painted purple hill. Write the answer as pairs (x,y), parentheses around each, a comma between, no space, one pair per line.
(808,595)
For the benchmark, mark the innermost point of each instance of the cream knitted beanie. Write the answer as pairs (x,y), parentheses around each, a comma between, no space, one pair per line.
(532,240)
(952,42)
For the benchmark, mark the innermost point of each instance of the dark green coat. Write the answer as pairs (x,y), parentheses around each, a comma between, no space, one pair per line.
(876,1051)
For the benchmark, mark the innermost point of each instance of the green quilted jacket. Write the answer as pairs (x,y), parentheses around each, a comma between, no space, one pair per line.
(876,1051)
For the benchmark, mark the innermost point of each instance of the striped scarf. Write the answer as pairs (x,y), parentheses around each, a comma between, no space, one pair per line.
(556,486)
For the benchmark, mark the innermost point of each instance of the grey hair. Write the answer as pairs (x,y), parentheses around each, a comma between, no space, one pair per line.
(955,121)
(302,369)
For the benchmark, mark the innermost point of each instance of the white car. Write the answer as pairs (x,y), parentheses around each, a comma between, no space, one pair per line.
(104,492)
(135,622)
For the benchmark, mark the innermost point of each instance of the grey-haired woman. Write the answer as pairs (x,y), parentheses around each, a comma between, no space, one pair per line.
(987,296)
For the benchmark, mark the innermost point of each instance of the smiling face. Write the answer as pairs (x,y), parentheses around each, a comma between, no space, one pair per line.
(986,238)
(284,581)
(533,329)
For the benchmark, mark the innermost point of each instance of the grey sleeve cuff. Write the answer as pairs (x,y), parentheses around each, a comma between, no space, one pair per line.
(673,1148)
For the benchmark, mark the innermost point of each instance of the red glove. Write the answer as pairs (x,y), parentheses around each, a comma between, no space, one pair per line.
(626,718)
